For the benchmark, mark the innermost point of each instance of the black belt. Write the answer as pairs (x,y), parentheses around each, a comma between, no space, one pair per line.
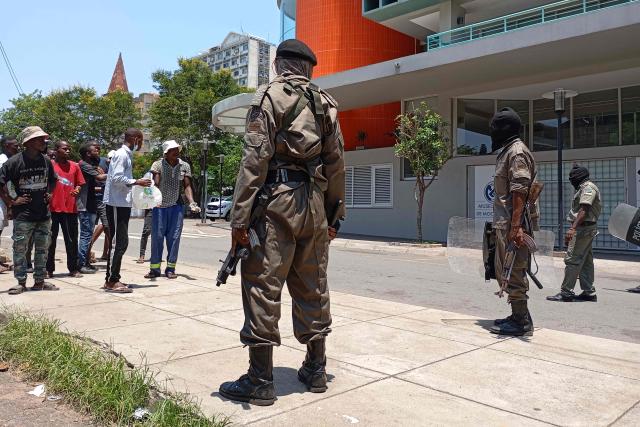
(286,175)
(588,223)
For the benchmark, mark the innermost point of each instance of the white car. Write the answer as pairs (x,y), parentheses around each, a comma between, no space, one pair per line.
(214,211)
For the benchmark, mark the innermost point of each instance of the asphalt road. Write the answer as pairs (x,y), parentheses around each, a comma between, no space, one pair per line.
(429,282)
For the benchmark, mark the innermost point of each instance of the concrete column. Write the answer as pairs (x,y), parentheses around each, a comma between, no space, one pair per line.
(450,10)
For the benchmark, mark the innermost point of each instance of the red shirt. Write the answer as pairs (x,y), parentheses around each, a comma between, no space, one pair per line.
(69,177)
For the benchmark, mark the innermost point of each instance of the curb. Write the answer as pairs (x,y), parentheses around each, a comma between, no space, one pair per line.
(429,250)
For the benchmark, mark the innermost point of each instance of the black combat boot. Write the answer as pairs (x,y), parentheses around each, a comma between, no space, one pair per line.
(312,373)
(519,324)
(256,386)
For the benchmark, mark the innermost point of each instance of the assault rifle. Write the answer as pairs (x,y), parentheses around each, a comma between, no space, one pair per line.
(230,263)
(511,253)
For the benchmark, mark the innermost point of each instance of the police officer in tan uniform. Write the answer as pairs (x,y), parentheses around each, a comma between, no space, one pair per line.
(515,172)
(585,211)
(293,153)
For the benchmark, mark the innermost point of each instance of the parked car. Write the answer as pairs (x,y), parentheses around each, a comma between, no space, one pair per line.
(214,211)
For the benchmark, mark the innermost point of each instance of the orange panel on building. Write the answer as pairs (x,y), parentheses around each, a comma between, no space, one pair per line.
(342,39)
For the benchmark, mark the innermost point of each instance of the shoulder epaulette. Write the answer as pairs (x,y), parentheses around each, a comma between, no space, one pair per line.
(259,95)
(329,99)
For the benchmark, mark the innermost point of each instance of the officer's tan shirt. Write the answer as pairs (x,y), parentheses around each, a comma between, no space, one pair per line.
(302,141)
(587,194)
(515,169)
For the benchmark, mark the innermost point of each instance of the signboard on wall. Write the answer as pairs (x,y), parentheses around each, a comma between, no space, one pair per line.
(484,192)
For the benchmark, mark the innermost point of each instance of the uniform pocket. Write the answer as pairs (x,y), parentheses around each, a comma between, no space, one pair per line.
(254,139)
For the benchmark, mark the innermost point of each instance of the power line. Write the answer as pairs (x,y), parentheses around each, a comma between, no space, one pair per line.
(12,73)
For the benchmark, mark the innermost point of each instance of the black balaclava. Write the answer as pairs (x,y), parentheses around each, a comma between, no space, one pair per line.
(578,175)
(505,126)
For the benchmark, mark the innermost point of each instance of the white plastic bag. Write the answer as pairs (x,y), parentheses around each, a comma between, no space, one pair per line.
(146,197)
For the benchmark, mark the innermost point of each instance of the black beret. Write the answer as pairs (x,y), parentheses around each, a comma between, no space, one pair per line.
(294,48)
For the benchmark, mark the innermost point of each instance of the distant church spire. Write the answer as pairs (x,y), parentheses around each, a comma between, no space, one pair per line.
(119,78)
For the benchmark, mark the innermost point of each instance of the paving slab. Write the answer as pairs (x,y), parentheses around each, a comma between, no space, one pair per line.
(392,402)
(234,320)
(194,304)
(631,418)
(106,315)
(598,354)
(165,340)
(478,336)
(371,304)
(206,372)
(387,350)
(68,296)
(542,390)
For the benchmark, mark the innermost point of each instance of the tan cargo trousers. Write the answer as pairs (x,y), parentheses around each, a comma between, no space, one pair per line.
(519,284)
(579,261)
(294,248)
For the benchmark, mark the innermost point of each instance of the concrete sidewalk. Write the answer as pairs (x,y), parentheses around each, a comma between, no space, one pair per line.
(389,363)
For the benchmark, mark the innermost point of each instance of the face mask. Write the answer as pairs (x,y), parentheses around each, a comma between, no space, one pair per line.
(499,138)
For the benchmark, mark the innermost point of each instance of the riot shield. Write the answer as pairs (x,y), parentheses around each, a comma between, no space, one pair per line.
(465,239)
(624,223)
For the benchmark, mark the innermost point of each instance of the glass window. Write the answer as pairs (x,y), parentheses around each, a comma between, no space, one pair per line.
(522,108)
(631,115)
(545,126)
(472,135)
(595,119)
(225,65)
(288,20)
(234,62)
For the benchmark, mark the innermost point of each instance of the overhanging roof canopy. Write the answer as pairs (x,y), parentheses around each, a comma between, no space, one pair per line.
(583,45)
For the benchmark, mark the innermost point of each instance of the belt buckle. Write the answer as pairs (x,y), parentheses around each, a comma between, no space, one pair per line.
(283,175)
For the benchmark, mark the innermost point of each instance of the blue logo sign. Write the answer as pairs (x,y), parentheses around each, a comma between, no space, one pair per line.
(489,192)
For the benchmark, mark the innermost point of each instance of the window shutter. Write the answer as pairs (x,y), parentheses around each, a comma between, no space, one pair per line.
(348,184)
(362,185)
(382,185)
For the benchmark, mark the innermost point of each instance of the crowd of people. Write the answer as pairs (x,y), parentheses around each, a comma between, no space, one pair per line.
(44,193)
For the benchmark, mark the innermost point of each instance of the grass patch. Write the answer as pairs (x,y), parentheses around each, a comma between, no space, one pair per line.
(92,380)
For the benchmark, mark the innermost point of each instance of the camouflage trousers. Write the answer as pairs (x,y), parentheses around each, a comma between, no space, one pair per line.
(23,231)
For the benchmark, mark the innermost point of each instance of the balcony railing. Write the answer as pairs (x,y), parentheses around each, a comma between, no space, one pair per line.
(539,15)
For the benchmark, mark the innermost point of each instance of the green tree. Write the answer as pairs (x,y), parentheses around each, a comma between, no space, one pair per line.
(183,113)
(111,115)
(421,139)
(75,115)
(23,113)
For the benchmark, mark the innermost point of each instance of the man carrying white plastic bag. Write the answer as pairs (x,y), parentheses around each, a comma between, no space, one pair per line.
(171,174)
(117,198)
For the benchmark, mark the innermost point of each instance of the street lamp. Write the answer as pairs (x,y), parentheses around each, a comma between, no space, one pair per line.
(221,157)
(559,97)
(205,178)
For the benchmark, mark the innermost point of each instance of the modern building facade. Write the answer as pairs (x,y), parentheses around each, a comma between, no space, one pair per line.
(471,58)
(247,57)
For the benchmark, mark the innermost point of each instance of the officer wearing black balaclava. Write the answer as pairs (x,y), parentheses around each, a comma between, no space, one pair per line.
(515,172)
(585,211)
(505,127)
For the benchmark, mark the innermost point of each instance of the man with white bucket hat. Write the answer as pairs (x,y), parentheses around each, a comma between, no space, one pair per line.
(172,175)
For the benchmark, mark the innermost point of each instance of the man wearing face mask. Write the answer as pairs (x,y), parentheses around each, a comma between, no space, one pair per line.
(585,211)
(293,155)
(515,173)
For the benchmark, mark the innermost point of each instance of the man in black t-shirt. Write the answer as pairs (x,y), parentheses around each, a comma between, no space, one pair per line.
(33,179)
(87,202)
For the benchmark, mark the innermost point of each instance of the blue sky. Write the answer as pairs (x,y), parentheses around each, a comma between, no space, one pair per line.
(56,44)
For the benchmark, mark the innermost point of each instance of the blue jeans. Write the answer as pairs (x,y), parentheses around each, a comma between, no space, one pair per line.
(87,224)
(167,224)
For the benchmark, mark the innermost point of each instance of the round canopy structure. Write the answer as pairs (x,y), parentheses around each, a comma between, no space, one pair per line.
(229,114)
